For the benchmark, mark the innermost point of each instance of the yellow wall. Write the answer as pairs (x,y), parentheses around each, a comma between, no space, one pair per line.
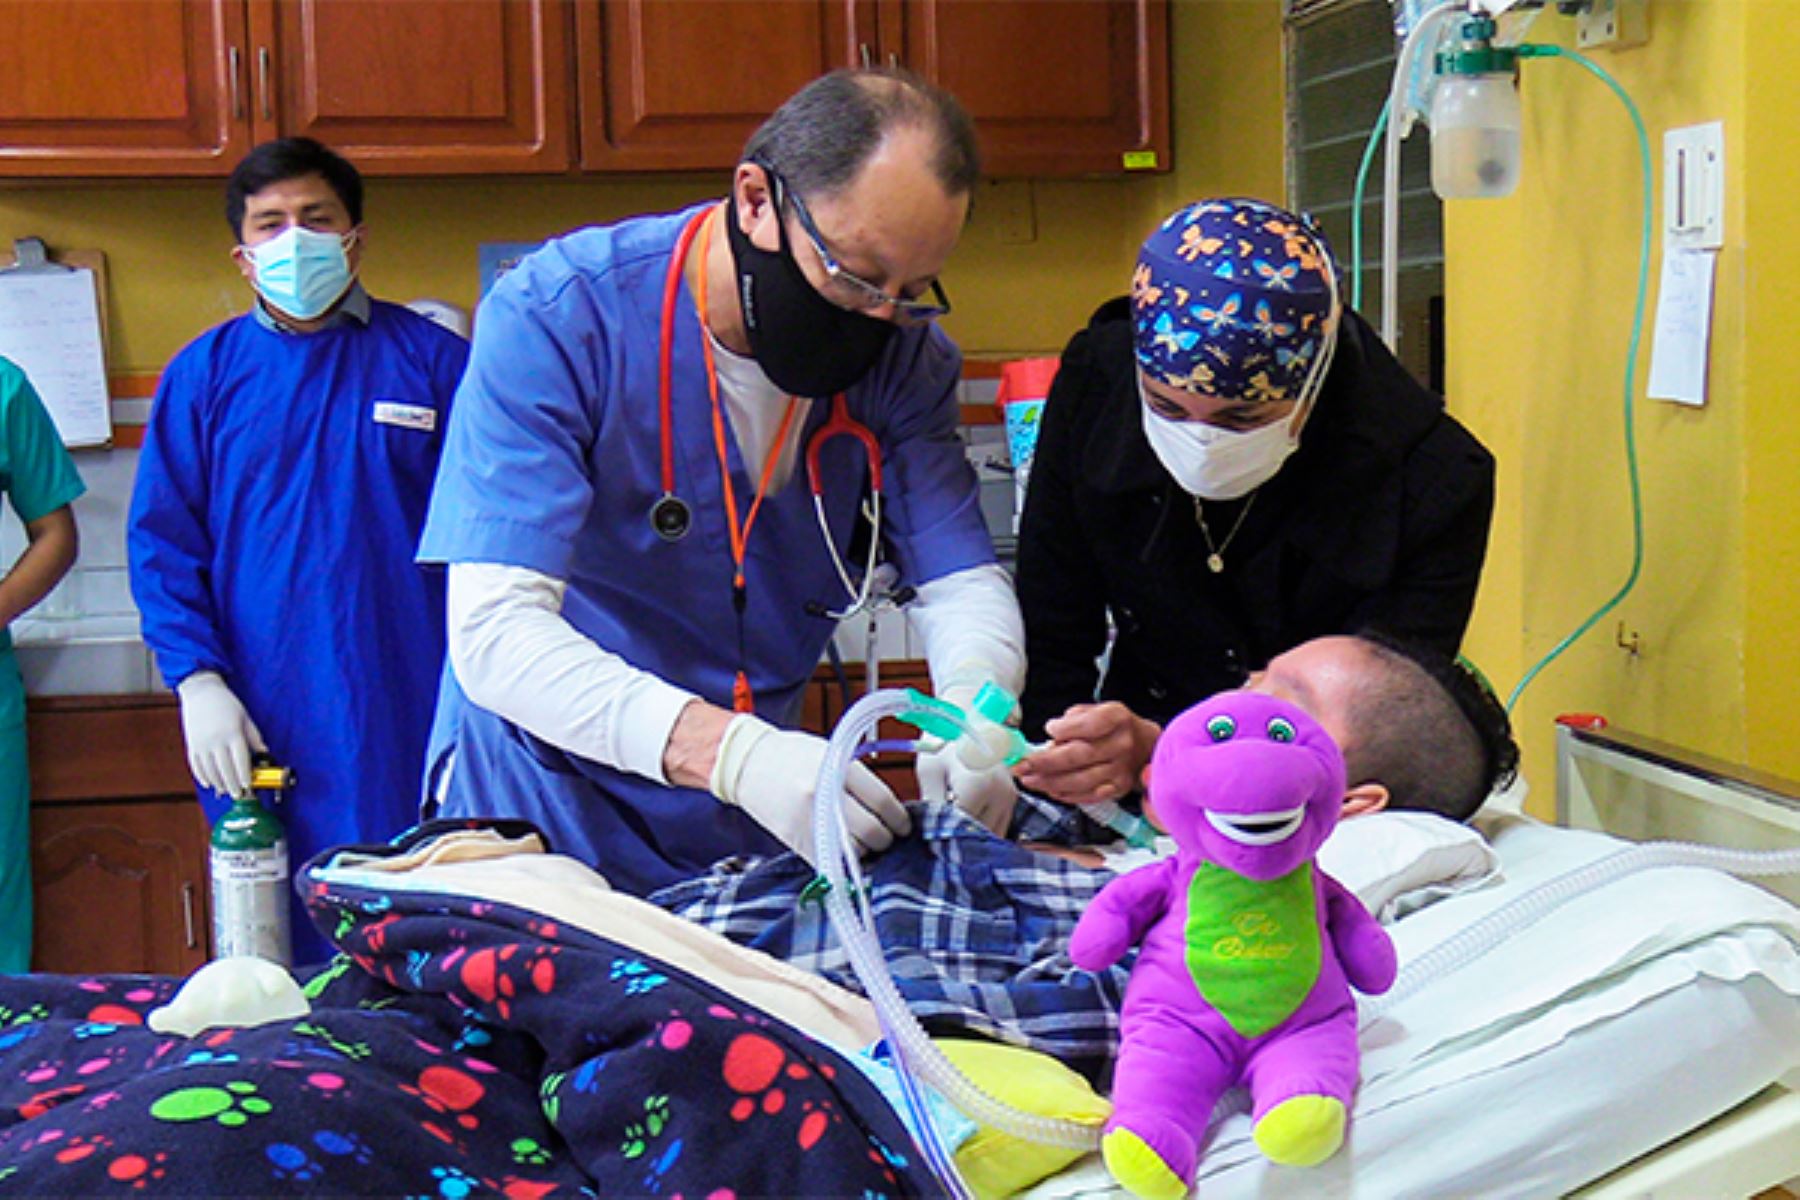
(1540,288)
(1035,261)
(1770,150)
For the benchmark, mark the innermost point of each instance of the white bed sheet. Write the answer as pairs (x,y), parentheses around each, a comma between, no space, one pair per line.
(1625,1018)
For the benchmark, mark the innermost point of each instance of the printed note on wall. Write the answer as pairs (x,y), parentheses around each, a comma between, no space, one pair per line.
(50,327)
(1683,332)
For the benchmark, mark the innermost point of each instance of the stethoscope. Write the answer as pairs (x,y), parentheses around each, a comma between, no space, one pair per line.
(672,517)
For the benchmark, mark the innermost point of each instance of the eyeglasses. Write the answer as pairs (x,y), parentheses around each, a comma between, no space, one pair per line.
(861,293)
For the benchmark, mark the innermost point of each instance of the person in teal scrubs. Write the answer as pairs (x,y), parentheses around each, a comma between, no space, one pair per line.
(40,482)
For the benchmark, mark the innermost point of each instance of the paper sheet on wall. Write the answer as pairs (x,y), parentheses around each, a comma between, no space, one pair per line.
(50,327)
(1678,355)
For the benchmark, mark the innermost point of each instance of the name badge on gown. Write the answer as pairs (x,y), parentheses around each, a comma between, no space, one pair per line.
(408,416)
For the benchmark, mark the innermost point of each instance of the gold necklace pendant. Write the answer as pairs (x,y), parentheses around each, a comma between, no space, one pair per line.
(1215,558)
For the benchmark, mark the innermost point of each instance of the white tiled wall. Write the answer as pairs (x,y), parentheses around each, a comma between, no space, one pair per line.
(83,636)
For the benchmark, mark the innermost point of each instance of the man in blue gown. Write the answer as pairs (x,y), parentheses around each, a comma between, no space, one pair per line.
(640,584)
(283,484)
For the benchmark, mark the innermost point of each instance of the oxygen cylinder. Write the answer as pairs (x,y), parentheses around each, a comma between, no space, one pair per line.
(249,866)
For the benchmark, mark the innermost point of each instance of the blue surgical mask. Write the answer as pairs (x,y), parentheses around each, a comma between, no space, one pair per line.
(302,272)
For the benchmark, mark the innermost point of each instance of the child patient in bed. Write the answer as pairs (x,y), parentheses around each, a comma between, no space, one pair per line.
(976,927)
(1419,732)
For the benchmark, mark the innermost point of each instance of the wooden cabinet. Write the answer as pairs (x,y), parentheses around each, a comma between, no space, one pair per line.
(118,842)
(185,87)
(121,87)
(417,86)
(111,88)
(680,85)
(1056,87)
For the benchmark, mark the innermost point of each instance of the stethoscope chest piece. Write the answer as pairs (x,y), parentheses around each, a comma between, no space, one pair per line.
(671,517)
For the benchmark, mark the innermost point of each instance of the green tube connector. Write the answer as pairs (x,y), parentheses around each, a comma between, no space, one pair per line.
(993,705)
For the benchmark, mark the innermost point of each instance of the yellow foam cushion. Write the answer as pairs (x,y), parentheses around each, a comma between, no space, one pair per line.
(998,1164)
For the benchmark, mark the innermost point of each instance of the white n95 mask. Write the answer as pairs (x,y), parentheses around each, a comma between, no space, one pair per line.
(302,272)
(1214,463)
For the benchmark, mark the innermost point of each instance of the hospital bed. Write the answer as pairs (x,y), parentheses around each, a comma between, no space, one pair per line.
(1643,1040)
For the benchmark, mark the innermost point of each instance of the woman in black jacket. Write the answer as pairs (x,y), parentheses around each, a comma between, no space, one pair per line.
(1230,463)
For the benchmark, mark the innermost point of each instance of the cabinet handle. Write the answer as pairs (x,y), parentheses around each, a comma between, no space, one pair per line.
(862,48)
(187,914)
(262,81)
(236,64)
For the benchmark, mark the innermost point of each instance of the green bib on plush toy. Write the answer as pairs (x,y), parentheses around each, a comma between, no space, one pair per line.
(1253,945)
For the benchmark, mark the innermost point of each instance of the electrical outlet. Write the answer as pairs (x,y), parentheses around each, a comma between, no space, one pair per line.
(1615,24)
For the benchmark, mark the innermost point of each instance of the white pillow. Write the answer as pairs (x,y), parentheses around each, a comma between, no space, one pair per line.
(1399,862)
(1395,862)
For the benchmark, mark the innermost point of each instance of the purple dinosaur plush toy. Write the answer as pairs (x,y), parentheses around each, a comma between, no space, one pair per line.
(1249,951)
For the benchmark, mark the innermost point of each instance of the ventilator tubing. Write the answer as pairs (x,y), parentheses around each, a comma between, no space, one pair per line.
(1460,949)
(914,1053)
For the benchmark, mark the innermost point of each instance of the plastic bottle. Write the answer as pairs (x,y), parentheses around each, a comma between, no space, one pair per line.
(1024,385)
(1475,119)
(1475,123)
(249,868)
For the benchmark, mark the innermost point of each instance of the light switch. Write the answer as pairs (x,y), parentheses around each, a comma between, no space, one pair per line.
(1694,187)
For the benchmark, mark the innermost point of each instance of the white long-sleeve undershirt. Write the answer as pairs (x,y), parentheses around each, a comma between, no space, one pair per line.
(516,655)
(969,621)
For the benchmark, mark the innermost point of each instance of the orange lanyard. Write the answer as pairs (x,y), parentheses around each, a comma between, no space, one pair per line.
(741,698)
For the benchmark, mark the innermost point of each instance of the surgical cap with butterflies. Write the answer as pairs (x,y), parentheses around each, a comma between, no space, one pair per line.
(1233,299)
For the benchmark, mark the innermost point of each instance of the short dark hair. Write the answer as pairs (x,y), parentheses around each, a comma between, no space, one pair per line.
(291,158)
(820,138)
(1429,729)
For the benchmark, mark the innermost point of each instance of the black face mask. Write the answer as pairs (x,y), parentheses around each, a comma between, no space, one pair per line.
(807,345)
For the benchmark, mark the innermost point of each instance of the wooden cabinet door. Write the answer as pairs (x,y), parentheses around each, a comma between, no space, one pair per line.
(1056,87)
(122,87)
(417,86)
(681,84)
(119,887)
(118,841)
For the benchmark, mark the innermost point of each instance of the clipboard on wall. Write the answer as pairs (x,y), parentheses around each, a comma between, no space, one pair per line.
(52,324)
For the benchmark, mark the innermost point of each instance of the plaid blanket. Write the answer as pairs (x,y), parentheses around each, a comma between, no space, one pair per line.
(974,928)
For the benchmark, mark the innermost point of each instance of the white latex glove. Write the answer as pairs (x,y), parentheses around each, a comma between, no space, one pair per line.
(220,734)
(988,794)
(772,774)
(973,775)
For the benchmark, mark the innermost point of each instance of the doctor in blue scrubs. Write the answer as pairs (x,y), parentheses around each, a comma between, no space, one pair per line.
(283,483)
(639,585)
(40,483)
